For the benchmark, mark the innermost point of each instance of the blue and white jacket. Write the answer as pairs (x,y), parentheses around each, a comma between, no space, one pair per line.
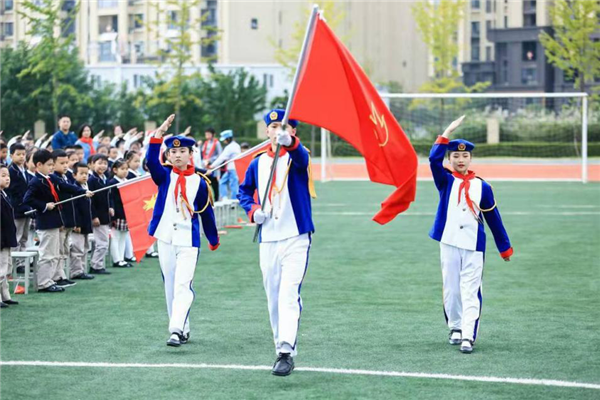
(455,224)
(170,223)
(289,204)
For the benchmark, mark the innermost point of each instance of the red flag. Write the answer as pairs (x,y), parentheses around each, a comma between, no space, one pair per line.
(334,92)
(138,201)
(242,164)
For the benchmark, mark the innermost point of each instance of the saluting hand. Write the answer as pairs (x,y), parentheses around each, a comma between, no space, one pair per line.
(164,127)
(452,127)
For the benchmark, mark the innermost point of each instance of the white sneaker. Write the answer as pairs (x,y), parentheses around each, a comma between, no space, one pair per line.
(455,337)
(174,340)
(466,346)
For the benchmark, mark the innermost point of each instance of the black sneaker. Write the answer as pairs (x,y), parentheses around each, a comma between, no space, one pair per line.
(284,365)
(83,276)
(183,339)
(11,302)
(65,283)
(130,260)
(52,289)
(99,271)
(154,254)
(3,304)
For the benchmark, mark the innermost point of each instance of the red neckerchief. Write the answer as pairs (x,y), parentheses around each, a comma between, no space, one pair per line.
(212,149)
(53,190)
(466,185)
(180,184)
(90,142)
(271,154)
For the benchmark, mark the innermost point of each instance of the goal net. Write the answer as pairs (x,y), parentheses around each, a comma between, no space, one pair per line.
(518,136)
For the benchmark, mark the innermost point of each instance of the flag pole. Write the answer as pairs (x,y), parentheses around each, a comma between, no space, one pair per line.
(288,107)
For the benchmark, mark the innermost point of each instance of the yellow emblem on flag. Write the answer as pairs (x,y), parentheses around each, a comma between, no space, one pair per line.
(176,143)
(149,204)
(273,116)
(379,122)
(461,147)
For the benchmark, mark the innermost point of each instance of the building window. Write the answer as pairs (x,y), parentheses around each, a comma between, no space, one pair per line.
(529,76)
(108,3)
(529,20)
(8,5)
(8,28)
(173,19)
(506,21)
(138,21)
(529,51)
(488,28)
(488,53)
(488,6)
(475,29)
(254,23)
(475,50)
(136,80)
(139,49)
(475,4)
(106,53)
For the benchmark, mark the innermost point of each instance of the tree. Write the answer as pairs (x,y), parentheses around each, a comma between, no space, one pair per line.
(54,56)
(177,54)
(288,57)
(438,23)
(571,48)
(232,100)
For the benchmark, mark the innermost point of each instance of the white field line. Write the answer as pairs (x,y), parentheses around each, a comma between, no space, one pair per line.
(339,371)
(488,180)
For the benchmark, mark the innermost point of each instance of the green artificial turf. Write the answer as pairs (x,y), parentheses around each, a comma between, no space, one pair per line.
(372,301)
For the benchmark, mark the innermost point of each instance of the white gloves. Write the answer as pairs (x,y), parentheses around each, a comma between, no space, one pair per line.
(284,138)
(259,216)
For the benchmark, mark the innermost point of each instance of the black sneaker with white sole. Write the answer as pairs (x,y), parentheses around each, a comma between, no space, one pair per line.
(284,365)
(466,346)
(65,283)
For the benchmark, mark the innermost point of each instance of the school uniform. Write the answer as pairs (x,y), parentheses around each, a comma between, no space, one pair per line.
(465,201)
(183,205)
(67,212)
(42,190)
(79,240)
(228,183)
(100,210)
(19,180)
(8,240)
(120,230)
(286,235)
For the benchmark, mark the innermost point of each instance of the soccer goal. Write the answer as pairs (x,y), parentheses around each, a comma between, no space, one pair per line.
(518,136)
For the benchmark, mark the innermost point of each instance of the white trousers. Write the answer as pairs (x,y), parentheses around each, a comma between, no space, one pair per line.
(118,245)
(283,265)
(462,272)
(178,264)
(128,247)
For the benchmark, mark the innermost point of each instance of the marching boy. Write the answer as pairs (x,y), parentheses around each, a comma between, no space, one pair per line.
(183,199)
(286,231)
(465,200)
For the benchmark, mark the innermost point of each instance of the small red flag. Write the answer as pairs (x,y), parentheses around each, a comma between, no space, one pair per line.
(242,164)
(138,201)
(334,92)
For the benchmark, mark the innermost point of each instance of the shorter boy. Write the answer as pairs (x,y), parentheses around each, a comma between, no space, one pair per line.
(465,200)
(8,237)
(101,213)
(83,226)
(19,180)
